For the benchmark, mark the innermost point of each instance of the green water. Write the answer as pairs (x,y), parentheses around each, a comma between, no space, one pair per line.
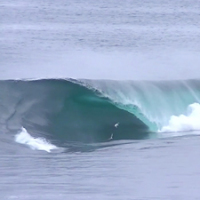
(93,111)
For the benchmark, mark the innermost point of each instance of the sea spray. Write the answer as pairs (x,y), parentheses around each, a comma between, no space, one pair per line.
(188,122)
(34,143)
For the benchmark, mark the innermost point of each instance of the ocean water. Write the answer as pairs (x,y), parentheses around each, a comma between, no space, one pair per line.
(99,99)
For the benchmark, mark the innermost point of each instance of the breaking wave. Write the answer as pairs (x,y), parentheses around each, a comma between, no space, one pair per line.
(96,110)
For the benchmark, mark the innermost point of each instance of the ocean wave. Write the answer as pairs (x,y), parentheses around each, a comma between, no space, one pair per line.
(97,110)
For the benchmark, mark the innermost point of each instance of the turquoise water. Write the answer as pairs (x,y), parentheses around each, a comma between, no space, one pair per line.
(96,111)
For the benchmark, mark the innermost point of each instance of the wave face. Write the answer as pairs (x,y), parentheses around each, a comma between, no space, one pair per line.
(64,110)
(97,110)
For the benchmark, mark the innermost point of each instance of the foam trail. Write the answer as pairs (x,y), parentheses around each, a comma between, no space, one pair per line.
(188,122)
(34,143)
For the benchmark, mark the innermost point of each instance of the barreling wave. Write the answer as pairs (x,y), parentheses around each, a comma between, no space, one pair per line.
(98,110)
(155,103)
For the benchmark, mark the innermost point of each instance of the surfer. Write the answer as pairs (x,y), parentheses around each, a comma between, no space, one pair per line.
(111,137)
(116,125)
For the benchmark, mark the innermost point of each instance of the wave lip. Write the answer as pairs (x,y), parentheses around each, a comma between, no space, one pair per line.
(34,143)
(152,102)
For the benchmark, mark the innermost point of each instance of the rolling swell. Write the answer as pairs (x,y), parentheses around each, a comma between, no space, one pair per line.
(64,110)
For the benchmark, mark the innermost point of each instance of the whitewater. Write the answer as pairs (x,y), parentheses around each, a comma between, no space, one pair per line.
(99,100)
(23,137)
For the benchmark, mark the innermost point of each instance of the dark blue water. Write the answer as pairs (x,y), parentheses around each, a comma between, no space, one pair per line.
(86,136)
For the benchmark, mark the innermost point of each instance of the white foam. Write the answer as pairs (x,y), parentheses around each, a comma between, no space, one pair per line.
(34,143)
(188,122)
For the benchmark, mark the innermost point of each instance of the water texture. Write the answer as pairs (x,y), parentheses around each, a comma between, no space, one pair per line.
(99,99)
